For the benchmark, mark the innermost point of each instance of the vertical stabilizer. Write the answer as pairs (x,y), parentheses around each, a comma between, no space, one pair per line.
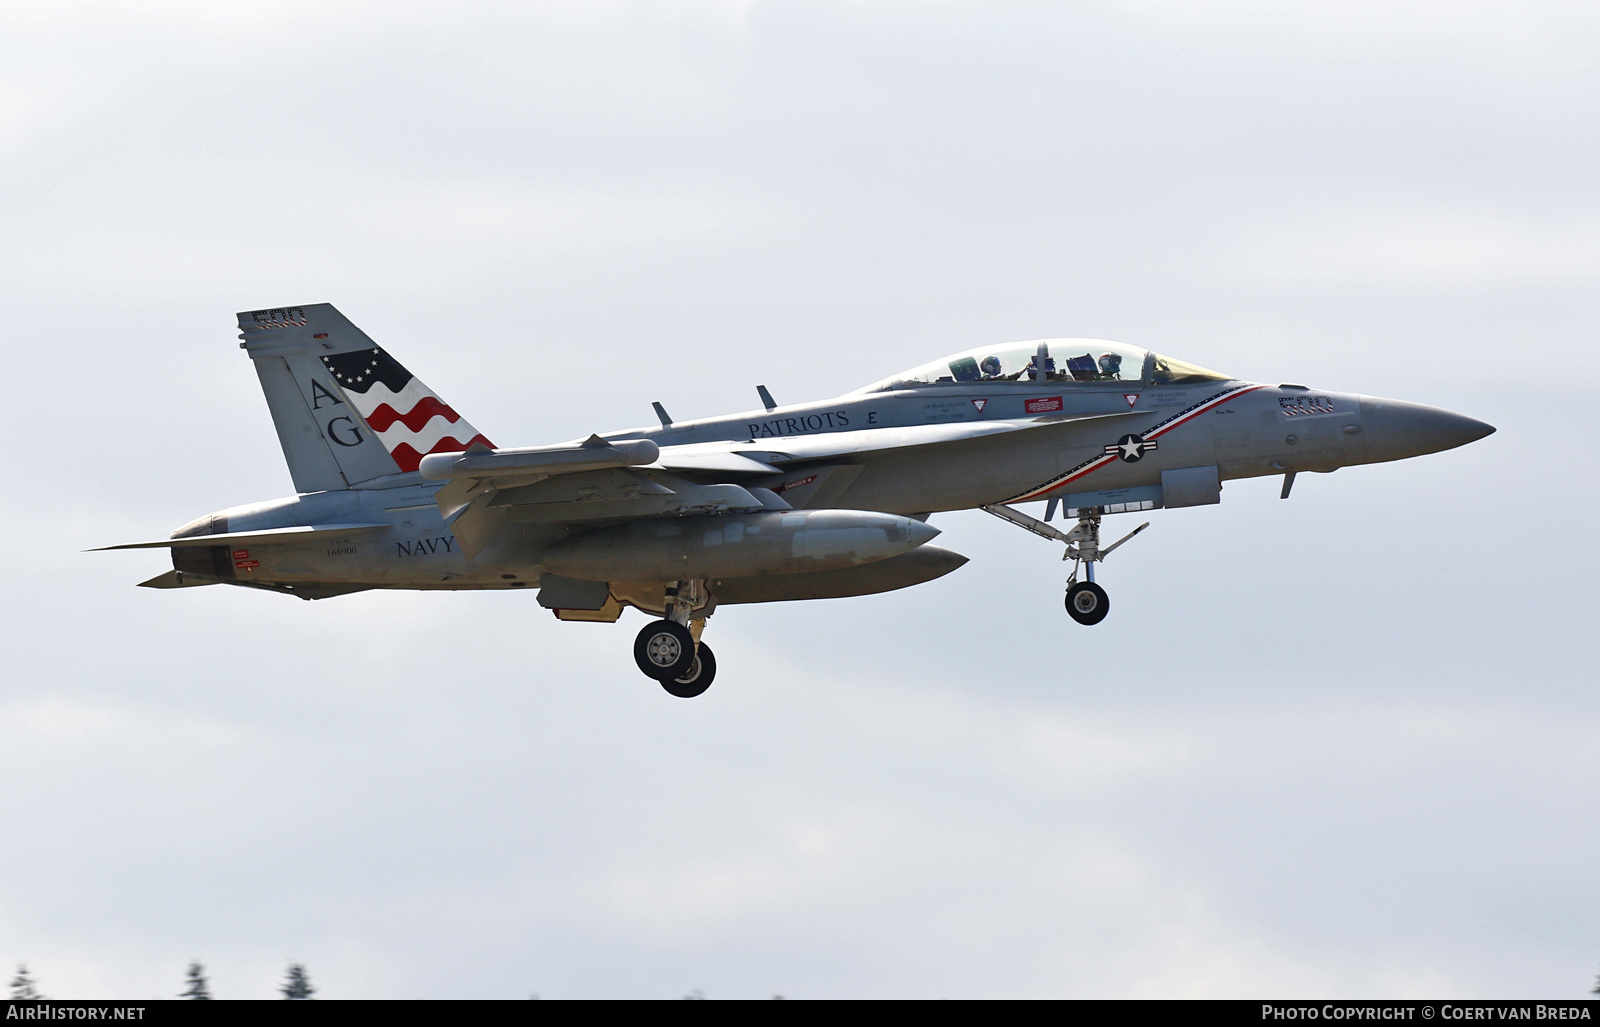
(346,411)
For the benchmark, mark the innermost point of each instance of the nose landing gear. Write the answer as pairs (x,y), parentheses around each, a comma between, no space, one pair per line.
(670,651)
(1087,602)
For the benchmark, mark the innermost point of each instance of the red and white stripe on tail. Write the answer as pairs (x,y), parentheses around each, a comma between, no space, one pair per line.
(407,417)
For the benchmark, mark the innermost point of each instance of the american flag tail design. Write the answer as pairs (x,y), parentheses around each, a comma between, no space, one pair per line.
(404,414)
(346,411)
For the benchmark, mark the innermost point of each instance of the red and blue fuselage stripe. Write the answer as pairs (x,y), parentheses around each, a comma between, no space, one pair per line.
(1094,463)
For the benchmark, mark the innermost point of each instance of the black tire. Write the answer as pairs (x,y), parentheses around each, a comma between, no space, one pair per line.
(697,678)
(1087,603)
(664,650)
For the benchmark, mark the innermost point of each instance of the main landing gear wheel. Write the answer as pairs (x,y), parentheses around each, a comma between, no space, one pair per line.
(697,678)
(664,650)
(1087,603)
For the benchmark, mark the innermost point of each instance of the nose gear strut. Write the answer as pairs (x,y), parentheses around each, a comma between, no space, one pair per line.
(1086,601)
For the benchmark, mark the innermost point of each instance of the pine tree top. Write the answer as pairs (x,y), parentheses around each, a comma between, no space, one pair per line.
(298,983)
(199,988)
(22,986)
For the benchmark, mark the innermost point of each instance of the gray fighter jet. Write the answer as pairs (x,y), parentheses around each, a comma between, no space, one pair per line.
(812,501)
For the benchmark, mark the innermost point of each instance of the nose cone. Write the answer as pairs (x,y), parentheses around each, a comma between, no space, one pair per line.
(1395,429)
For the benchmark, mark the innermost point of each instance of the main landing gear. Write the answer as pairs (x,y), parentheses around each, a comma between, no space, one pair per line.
(670,651)
(1087,602)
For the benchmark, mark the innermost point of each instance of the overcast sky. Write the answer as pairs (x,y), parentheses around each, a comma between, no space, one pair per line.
(1340,745)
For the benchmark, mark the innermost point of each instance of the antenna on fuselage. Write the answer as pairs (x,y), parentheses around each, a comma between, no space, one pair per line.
(766,398)
(661,412)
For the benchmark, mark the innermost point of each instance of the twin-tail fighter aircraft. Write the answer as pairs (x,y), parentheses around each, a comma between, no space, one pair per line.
(812,501)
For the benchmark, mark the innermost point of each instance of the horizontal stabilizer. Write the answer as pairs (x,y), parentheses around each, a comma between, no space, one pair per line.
(301,533)
(172,579)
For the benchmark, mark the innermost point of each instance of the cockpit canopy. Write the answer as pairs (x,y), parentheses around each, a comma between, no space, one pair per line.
(1065,360)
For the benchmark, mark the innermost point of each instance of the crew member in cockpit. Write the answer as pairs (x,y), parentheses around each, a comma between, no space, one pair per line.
(1030,373)
(990,368)
(1111,366)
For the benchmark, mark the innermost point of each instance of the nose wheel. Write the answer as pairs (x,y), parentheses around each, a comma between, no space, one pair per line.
(1086,601)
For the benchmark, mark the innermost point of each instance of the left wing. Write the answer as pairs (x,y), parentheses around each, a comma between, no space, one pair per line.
(762,456)
(487,490)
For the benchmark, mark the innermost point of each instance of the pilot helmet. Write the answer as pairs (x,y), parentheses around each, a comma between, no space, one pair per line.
(1110,363)
(990,366)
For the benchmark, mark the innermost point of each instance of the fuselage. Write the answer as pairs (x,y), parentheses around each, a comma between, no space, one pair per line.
(1113,445)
